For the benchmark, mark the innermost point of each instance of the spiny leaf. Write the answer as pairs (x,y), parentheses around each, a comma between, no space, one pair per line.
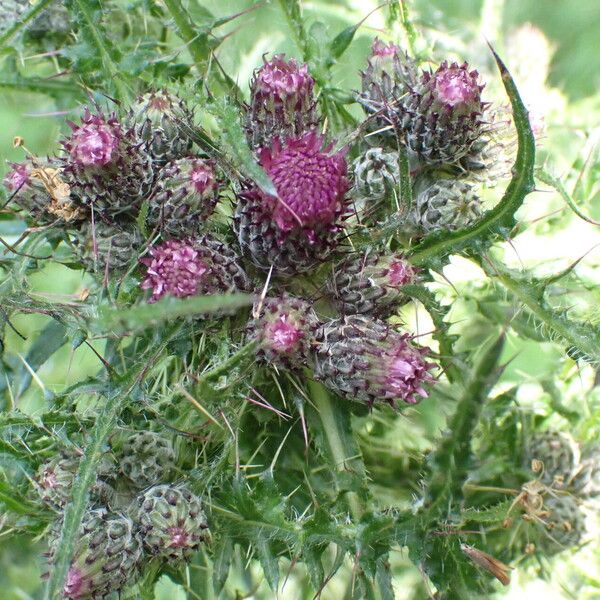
(86,475)
(233,141)
(450,462)
(499,221)
(582,339)
(23,20)
(167,309)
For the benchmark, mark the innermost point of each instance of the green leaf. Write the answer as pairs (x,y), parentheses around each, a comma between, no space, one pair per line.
(90,20)
(51,339)
(582,339)
(222,556)
(268,561)
(451,460)
(331,421)
(20,24)
(86,476)
(169,308)
(14,502)
(233,143)
(499,221)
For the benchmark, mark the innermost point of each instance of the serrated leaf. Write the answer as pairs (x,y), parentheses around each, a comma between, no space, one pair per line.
(268,561)
(167,309)
(233,143)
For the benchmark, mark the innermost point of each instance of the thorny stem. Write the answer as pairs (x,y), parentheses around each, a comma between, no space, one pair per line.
(108,63)
(187,33)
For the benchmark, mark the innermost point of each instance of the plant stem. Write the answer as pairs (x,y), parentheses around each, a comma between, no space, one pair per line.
(188,34)
(343,457)
(110,67)
(20,24)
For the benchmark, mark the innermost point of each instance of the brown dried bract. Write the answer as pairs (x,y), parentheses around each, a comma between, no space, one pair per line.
(59,192)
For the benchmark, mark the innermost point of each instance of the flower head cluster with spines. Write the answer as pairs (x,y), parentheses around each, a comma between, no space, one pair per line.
(160,220)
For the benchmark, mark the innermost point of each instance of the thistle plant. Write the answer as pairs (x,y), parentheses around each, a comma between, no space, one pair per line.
(265,327)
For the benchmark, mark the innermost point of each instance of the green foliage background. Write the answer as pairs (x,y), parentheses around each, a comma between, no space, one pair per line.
(546,387)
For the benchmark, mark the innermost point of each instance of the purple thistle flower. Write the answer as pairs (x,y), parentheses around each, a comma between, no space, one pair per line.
(282,335)
(381,49)
(76,585)
(456,87)
(202,177)
(310,181)
(17,177)
(403,373)
(400,272)
(364,359)
(285,330)
(174,269)
(282,102)
(94,142)
(279,80)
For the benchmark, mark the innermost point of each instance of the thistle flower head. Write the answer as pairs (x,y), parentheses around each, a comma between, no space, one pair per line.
(282,102)
(172,521)
(106,556)
(156,118)
(311,183)
(174,269)
(364,359)
(279,80)
(442,114)
(284,329)
(94,143)
(17,177)
(387,78)
(370,283)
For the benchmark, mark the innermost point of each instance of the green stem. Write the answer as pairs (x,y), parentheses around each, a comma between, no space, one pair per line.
(292,12)
(188,34)
(411,33)
(75,509)
(22,22)
(583,338)
(343,457)
(109,65)
(451,460)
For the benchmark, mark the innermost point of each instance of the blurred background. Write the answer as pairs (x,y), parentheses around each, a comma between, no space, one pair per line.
(550,46)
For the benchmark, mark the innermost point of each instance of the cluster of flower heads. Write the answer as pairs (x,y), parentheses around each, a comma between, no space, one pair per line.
(562,495)
(134,195)
(131,194)
(135,514)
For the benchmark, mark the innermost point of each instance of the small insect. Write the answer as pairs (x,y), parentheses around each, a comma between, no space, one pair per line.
(492,565)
